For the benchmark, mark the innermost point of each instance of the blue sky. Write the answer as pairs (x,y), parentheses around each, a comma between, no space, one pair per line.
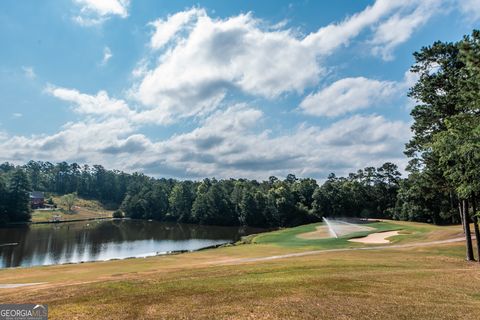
(215,88)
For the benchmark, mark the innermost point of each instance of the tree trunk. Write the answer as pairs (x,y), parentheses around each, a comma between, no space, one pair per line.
(468,234)
(475,225)
(460,211)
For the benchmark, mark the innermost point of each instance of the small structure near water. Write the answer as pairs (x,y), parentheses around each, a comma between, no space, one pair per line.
(37,199)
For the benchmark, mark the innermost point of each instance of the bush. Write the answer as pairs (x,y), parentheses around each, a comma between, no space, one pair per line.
(118,214)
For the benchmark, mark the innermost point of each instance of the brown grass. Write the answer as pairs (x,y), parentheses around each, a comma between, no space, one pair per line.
(415,283)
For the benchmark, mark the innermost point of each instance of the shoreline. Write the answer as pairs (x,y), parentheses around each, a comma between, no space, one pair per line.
(61,221)
(157,254)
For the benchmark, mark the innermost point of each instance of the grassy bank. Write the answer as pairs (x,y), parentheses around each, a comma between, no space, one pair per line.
(83,210)
(431,282)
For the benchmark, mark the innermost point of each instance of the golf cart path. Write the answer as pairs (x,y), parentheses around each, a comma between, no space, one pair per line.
(19,285)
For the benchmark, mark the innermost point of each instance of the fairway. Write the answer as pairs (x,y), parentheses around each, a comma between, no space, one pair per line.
(243,281)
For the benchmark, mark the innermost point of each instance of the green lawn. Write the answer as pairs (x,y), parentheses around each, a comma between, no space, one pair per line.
(289,237)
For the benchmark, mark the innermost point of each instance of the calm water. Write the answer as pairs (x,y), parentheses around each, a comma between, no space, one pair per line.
(46,244)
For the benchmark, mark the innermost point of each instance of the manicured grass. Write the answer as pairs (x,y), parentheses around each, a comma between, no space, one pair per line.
(431,282)
(289,237)
(84,209)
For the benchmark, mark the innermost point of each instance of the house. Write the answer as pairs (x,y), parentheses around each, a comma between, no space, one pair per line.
(37,199)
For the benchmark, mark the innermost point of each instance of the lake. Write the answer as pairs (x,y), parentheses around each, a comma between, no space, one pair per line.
(47,244)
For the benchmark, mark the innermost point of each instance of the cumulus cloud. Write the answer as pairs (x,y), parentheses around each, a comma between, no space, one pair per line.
(94,12)
(76,141)
(99,104)
(399,27)
(213,56)
(347,95)
(334,35)
(231,144)
(136,143)
(197,60)
(166,29)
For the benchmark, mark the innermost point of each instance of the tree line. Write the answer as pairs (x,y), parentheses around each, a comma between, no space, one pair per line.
(370,192)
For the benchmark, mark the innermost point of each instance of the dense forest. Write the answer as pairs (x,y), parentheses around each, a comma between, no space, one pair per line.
(370,192)
(442,187)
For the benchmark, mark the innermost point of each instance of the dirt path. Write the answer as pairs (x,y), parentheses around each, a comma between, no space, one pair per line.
(19,285)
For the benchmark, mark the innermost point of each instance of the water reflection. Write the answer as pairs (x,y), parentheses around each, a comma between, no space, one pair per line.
(74,242)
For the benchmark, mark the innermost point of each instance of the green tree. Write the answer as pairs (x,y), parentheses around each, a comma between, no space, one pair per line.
(181,201)
(445,122)
(18,198)
(4,218)
(69,201)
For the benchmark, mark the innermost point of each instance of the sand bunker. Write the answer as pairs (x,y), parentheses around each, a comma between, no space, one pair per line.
(379,237)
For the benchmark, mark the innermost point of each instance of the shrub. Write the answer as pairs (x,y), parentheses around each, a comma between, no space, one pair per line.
(118,214)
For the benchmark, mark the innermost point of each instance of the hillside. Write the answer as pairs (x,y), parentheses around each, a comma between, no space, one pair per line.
(84,209)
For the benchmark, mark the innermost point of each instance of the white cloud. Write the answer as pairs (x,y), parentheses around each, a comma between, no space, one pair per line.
(29,72)
(107,55)
(329,38)
(165,30)
(399,27)
(347,95)
(471,9)
(94,12)
(197,61)
(214,57)
(229,143)
(80,141)
(17,115)
(215,149)
(99,104)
